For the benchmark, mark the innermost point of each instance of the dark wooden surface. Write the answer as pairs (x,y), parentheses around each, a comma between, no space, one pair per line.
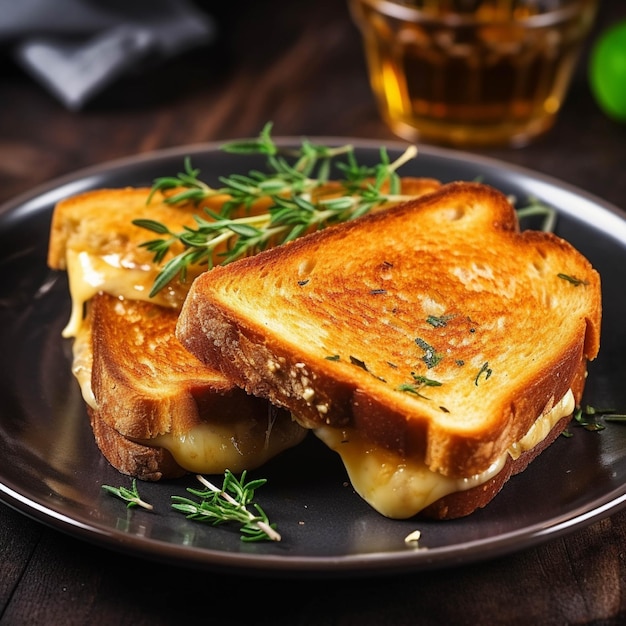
(300,65)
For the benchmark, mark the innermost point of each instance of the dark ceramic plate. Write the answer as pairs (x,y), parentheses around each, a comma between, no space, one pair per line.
(51,470)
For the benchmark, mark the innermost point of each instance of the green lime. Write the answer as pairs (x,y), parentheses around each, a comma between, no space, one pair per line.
(607,71)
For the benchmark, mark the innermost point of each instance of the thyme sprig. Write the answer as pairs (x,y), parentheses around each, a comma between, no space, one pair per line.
(294,206)
(229,504)
(292,183)
(591,418)
(536,208)
(130,496)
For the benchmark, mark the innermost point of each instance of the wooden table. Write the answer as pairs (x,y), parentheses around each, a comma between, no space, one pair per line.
(300,65)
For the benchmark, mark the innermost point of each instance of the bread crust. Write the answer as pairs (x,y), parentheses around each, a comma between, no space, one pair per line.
(147,463)
(145,383)
(250,349)
(463,503)
(100,221)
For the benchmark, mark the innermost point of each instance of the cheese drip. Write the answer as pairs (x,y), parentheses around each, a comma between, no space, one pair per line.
(82,363)
(90,273)
(400,488)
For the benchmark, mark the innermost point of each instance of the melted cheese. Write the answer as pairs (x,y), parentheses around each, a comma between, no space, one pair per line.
(238,445)
(208,448)
(82,363)
(90,273)
(399,488)
(543,425)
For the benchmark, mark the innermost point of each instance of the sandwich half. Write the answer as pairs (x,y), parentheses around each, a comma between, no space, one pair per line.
(156,411)
(434,346)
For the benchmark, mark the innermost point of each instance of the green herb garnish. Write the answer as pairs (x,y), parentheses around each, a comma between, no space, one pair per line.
(572,279)
(587,419)
(439,321)
(614,417)
(431,358)
(130,496)
(592,419)
(536,208)
(218,506)
(486,370)
(358,363)
(363,366)
(426,382)
(419,383)
(294,208)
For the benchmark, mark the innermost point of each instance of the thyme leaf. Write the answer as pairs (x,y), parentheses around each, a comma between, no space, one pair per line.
(130,496)
(593,419)
(361,364)
(572,279)
(431,357)
(587,419)
(358,363)
(486,370)
(418,383)
(536,208)
(229,504)
(439,321)
(426,382)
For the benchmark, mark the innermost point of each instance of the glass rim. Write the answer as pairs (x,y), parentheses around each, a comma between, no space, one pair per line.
(413,14)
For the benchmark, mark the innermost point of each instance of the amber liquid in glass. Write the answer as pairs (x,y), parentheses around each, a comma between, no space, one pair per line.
(468,83)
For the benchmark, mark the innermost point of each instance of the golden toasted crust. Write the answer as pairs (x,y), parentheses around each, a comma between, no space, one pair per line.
(339,327)
(144,382)
(100,221)
(463,503)
(143,462)
(95,229)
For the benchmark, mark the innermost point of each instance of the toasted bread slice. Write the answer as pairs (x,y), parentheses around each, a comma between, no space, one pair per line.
(156,411)
(430,337)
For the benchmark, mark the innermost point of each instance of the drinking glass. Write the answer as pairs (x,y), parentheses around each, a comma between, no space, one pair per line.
(471,72)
